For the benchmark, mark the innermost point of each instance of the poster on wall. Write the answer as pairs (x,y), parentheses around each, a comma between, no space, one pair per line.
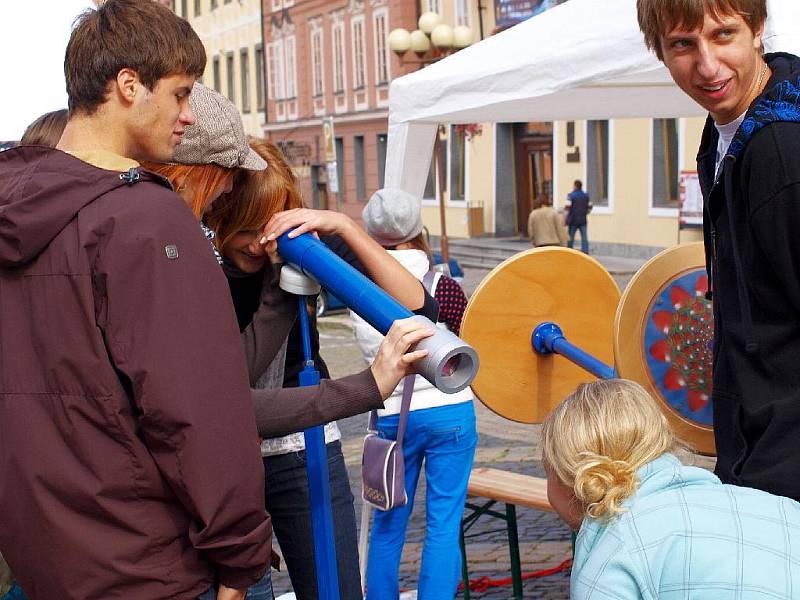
(690,200)
(511,12)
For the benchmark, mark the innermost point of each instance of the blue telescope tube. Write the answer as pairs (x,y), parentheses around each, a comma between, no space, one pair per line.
(366,299)
(451,364)
(548,338)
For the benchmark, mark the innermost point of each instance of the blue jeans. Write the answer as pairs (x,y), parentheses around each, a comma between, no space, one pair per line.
(287,502)
(584,240)
(260,591)
(444,438)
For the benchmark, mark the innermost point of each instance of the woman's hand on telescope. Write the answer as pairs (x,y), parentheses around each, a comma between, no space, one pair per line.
(393,360)
(304,220)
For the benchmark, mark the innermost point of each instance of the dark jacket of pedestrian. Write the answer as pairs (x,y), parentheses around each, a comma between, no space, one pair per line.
(752,220)
(578,206)
(129,464)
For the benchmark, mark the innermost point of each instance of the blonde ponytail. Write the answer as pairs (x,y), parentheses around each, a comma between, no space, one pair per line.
(597,439)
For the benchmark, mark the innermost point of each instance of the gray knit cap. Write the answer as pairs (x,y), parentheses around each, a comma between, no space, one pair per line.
(217,135)
(392,216)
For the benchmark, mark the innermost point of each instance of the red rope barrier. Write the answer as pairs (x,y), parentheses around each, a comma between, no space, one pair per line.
(481,584)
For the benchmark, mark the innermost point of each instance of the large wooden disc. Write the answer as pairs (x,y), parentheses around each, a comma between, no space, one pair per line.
(663,331)
(543,284)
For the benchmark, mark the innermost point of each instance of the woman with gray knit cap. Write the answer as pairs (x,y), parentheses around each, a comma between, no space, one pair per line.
(440,434)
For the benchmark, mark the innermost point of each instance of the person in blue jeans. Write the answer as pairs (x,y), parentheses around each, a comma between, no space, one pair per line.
(440,435)
(577,207)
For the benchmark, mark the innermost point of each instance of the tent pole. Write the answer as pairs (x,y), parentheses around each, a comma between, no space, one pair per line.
(442,174)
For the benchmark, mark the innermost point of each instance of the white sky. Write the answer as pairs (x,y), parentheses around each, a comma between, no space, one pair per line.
(33,38)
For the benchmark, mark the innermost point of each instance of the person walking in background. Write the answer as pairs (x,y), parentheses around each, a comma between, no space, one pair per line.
(545,226)
(441,433)
(577,207)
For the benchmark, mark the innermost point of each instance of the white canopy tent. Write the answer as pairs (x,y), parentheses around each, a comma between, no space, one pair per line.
(584,59)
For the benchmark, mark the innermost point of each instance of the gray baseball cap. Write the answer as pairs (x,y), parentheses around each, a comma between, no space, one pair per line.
(217,135)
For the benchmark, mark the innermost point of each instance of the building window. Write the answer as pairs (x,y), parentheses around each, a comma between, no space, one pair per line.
(381,51)
(358,152)
(462,13)
(458,157)
(213,4)
(381,152)
(244,68)
(340,168)
(338,57)
(597,162)
(197,8)
(433,5)
(665,163)
(277,69)
(216,74)
(230,76)
(260,77)
(290,72)
(316,62)
(359,75)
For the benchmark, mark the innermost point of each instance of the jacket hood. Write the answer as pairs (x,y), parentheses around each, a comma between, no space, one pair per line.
(780,101)
(41,191)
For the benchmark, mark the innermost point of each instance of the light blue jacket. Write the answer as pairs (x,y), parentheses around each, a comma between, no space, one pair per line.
(687,536)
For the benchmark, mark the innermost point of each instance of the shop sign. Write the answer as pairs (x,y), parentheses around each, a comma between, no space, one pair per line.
(511,12)
(690,200)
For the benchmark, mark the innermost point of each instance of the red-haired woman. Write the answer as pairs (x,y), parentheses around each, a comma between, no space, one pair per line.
(239,220)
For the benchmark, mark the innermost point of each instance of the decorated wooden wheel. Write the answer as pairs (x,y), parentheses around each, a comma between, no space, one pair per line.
(663,335)
(543,284)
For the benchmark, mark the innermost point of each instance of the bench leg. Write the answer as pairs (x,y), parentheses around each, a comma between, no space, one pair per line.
(464,568)
(513,550)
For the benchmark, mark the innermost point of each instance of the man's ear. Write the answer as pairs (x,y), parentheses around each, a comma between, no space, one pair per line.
(127,85)
(758,37)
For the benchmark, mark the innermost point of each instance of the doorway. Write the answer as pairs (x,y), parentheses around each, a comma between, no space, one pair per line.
(534,166)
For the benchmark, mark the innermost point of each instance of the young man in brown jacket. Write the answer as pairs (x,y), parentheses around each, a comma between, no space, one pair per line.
(129,464)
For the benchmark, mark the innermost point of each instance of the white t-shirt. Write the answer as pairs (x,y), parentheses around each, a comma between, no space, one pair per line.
(726,133)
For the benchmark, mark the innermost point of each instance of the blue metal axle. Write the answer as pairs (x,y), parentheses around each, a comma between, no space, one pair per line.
(548,338)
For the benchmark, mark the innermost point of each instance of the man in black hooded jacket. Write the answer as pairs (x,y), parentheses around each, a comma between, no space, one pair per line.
(749,166)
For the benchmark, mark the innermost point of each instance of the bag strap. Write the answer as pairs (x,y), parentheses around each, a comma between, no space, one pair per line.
(427,281)
(408,391)
(408,383)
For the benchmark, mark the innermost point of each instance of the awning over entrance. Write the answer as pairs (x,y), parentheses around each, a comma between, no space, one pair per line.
(584,59)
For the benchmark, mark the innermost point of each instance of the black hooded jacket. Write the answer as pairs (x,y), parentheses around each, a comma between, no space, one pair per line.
(752,222)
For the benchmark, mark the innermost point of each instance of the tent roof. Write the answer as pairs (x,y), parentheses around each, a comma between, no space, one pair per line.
(583,59)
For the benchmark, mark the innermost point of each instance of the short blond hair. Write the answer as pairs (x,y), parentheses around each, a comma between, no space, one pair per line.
(599,436)
(659,17)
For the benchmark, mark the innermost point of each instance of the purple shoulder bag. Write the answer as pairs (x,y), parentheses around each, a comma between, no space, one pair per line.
(383,471)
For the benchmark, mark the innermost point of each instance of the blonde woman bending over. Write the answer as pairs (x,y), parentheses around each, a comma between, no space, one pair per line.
(649,526)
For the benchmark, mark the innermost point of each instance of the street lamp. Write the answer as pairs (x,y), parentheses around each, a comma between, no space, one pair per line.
(446,39)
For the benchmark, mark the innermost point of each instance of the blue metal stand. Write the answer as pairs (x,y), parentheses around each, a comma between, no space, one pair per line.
(548,338)
(318,481)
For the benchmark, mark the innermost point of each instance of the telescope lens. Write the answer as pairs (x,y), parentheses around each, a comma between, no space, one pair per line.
(451,366)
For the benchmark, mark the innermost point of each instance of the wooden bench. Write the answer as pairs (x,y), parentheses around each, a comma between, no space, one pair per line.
(513,489)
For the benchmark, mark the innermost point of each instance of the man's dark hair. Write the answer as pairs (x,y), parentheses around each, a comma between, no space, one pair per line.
(659,17)
(578,184)
(137,34)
